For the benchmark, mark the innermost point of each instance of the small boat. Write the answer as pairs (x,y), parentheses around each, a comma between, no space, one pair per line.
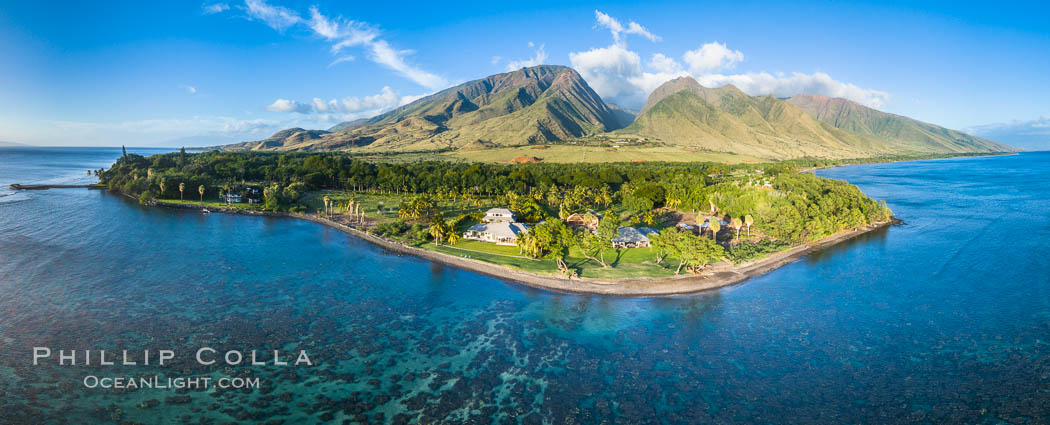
(205,211)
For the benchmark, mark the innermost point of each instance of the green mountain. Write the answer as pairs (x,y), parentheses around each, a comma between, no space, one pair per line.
(624,117)
(725,119)
(544,104)
(533,105)
(906,133)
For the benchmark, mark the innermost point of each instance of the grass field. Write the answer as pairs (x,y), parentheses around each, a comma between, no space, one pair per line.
(371,203)
(624,263)
(211,203)
(592,154)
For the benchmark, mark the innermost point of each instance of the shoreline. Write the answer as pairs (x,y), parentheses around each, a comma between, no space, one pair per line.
(17,186)
(634,287)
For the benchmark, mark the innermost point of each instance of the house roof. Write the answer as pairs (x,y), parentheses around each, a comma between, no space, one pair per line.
(631,234)
(504,229)
(584,216)
(499,211)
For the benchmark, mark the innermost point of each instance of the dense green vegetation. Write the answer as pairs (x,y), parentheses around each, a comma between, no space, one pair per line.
(765,208)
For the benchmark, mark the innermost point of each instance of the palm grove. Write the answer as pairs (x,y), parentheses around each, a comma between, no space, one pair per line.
(766,207)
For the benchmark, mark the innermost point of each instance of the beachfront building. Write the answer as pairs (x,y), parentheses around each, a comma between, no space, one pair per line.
(500,233)
(498,215)
(630,237)
(253,195)
(583,221)
(230,198)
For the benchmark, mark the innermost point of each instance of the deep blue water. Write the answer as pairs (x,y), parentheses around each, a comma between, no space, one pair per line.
(943,319)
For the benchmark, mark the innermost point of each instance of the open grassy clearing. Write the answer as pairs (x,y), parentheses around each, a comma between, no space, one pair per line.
(595,154)
(211,203)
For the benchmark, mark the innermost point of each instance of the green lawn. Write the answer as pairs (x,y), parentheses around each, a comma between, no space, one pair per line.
(625,263)
(371,202)
(575,154)
(212,203)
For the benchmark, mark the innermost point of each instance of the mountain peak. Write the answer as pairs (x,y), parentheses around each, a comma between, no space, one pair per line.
(711,95)
(725,119)
(537,104)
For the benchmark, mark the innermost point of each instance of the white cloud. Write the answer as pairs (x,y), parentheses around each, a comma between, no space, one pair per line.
(341,59)
(285,105)
(346,108)
(608,70)
(322,26)
(215,8)
(662,63)
(1039,126)
(344,34)
(412,98)
(764,83)
(617,73)
(711,57)
(539,58)
(383,54)
(616,28)
(220,129)
(277,17)
(1029,134)
(189,89)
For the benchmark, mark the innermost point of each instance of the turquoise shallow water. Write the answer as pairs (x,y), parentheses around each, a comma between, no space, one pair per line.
(944,319)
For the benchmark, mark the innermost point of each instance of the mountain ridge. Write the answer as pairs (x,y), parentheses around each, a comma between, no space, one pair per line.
(725,119)
(533,105)
(856,118)
(547,103)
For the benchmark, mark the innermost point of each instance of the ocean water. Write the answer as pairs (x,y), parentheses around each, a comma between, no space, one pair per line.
(945,319)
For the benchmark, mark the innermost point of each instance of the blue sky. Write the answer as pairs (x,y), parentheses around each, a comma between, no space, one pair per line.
(203,73)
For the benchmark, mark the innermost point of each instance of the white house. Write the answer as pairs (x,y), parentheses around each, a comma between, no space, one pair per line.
(231,198)
(502,233)
(497,215)
(630,237)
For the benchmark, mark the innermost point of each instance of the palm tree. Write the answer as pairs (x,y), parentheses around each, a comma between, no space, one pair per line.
(736,224)
(200,189)
(748,221)
(182,187)
(161,184)
(327,202)
(715,226)
(604,196)
(437,231)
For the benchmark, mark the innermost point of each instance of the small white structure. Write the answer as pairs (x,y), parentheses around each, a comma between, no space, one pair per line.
(502,233)
(707,223)
(231,198)
(630,237)
(498,215)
